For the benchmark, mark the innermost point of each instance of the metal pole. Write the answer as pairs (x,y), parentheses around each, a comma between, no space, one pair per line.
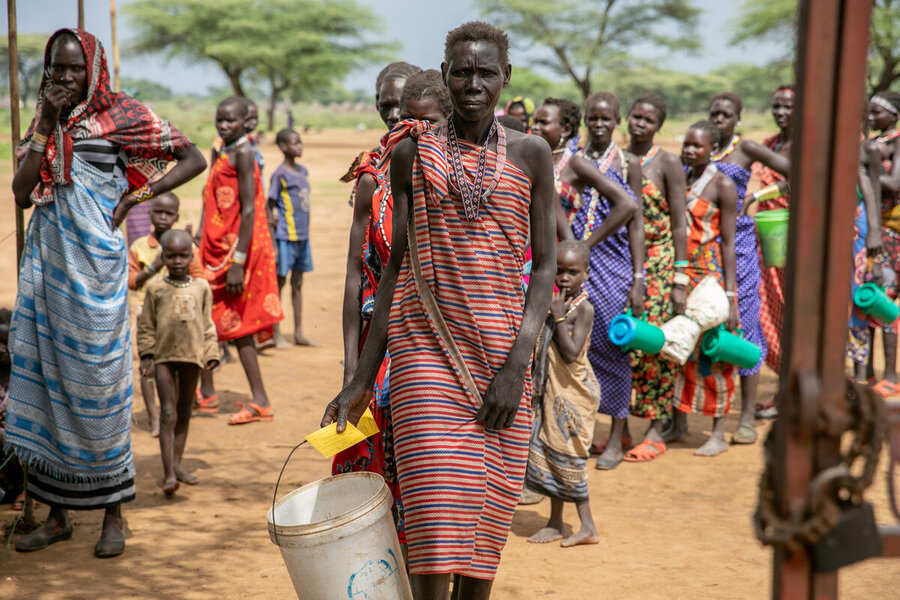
(80,14)
(831,61)
(14,116)
(115,45)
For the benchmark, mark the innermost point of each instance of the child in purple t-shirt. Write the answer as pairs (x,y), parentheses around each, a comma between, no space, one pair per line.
(289,200)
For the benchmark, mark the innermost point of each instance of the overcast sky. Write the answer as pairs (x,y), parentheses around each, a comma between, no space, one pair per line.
(421,39)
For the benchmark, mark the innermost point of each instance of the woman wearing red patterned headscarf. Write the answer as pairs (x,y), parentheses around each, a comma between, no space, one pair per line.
(88,157)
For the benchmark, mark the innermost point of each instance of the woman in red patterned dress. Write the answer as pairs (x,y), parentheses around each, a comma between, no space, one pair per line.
(237,255)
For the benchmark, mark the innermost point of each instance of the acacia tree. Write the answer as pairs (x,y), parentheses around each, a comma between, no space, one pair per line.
(775,19)
(287,44)
(31,62)
(581,35)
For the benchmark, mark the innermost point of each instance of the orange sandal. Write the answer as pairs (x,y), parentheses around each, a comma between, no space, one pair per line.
(206,405)
(885,388)
(646,451)
(248,416)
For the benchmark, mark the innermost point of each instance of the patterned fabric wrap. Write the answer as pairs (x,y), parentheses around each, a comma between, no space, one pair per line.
(889,259)
(459,481)
(704,387)
(607,285)
(653,377)
(858,341)
(376,453)
(258,308)
(748,267)
(564,427)
(148,141)
(70,392)
(771,290)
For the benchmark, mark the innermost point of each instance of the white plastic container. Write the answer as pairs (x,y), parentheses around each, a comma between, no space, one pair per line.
(338,540)
(708,304)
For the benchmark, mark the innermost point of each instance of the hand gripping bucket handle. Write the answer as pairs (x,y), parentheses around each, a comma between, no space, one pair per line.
(278,483)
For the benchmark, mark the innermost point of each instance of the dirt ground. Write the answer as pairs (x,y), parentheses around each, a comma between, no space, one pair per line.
(675,528)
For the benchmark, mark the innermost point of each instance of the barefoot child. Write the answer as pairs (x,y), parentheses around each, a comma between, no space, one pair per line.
(289,200)
(712,214)
(564,417)
(176,334)
(145,265)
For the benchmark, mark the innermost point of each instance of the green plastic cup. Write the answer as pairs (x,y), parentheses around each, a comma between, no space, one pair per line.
(873,302)
(721,345)
(636,334)
(773,236)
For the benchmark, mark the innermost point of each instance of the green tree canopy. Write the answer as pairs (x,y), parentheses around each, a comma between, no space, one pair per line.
(290,45)
(580,35)
(773,19)
(31,63)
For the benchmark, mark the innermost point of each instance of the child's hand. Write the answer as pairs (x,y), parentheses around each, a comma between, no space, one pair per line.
(146,366)
(558,304)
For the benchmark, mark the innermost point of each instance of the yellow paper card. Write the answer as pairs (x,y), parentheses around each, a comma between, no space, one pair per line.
(367,424)
(329,442)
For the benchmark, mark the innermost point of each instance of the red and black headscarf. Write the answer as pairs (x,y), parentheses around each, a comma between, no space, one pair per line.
(148,141)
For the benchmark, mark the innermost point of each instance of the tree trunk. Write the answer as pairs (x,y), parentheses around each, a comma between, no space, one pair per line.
(889,74)
(274,95)
(234,76)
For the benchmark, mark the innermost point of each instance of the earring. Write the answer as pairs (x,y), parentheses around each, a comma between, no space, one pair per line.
(562,142)
(740,123)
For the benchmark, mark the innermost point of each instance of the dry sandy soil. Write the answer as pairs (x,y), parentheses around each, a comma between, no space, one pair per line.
(675,528)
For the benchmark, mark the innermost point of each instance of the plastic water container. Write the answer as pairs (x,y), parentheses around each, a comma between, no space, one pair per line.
(338,540)
(873,302)
(773,236)
(629,333)
(721,345)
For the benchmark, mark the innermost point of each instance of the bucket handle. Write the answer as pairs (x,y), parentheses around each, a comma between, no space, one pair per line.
(278,483)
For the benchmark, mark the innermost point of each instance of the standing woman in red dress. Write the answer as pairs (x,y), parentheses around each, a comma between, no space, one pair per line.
(236,253)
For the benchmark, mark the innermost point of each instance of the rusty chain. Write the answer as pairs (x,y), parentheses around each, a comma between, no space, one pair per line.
(821,509)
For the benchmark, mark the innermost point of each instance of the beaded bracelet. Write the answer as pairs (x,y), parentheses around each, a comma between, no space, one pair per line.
(144,193)
(681,264)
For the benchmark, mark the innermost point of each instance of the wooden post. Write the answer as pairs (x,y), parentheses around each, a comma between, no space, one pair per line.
(14,129)
(80,14)
(115,45)
(831,63)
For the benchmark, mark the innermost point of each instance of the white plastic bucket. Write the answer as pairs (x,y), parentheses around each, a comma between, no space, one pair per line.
(338,540)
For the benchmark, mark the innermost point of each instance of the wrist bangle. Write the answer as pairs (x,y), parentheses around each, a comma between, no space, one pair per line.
(681,263)
(144,193)
(681,279)
(638,275)
(239,258)
(730,293)
(150,269)
(36,146)
(40,139)
(559,320)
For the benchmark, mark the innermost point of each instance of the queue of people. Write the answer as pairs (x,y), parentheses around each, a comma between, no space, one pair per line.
(486,263)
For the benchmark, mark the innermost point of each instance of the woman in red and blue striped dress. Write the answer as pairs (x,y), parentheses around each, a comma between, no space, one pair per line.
(459,328)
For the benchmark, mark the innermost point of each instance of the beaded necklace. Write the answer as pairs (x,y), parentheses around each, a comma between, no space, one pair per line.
(595,195)
(224,262)
(602,158)
(735,140)
(241,140)
(473,195)
(179,284)
(576,302)
(888,136)
(650,156)
(567,153)
(382,209)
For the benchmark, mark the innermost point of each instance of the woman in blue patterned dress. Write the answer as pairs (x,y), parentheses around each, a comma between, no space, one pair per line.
(608,219)
(88,157)
(734,159)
